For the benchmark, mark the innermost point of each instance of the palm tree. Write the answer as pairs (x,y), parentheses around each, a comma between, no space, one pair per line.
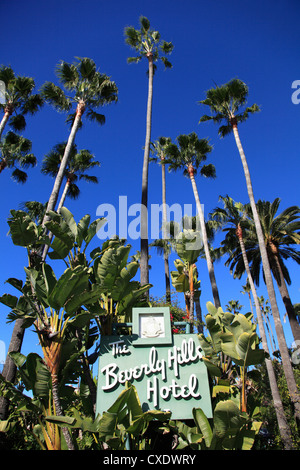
(35,210)
(281,232)
(91,90)
(225,103)
(247,290)
(16,152)
(158,148)
(234,306)
(77,165)
(147,43)
(19,99)
(231,219)
(189,155)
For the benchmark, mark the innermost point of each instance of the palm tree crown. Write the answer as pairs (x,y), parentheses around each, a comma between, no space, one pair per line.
(90,89)
(281,232)
(190,152)
(225,102)
(78,163)
(15,152)
(19,99)
(147,43)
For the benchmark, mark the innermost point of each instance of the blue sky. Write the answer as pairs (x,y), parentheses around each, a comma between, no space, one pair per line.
(214,41)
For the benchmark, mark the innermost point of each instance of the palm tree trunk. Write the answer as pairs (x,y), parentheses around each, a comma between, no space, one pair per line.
(10,369)
(60,205)
(59,177)
(295,327)
(283,425)
(63,196)
(199,316)
(210,265)
(166,258)
(144,207)
(7,114)
(286,362)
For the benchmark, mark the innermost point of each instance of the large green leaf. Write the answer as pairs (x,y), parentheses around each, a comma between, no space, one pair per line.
(72,283)
(70,221)
(9,300)
(92,230)
(34,373)
(185,242)
(87,297)
(227,419)
(82,228)
(23,230)
(108,267)
(203,425)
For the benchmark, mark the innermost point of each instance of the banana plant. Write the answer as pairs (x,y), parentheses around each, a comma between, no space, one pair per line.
(188,247)
(233,339)
(51,304)
(182,278)
(122,426)
(25,232)
(230,429)
(71,239)
(39,404)
(114,275)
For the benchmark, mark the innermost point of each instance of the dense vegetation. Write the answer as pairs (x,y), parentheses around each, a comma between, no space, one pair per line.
(48,400)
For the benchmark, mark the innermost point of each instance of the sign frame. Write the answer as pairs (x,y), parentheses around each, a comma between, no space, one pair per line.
(151,326)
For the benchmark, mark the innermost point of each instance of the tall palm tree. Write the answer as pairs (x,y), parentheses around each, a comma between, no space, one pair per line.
(19,99)
(281,233)
(147,43)
(158,148)
(77,166)
(231,219)
(15,152)
(90,90)
(247,290)
(225,103)
(189,155)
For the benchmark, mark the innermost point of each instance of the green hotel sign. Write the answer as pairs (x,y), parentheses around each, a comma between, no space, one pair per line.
(167,370)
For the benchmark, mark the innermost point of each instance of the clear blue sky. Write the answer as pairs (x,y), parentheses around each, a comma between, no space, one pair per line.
(214,41)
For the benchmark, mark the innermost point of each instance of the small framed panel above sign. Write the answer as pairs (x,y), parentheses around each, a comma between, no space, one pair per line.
(151,326)
(168,377)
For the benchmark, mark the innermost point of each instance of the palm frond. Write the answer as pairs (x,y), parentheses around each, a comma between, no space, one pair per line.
(87,68)
(18,122)
(68,75)
(132,37)
(27,160)
(145,24)
(96,117)
(54,95)
(225,130)
(133,60)
(166,63)
(23,86)
(89,179)
(32,104)
(6,75)
(73,191)
(209,171)
(19,176)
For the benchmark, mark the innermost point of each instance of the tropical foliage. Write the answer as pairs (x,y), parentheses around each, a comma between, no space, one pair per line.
(73,291)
